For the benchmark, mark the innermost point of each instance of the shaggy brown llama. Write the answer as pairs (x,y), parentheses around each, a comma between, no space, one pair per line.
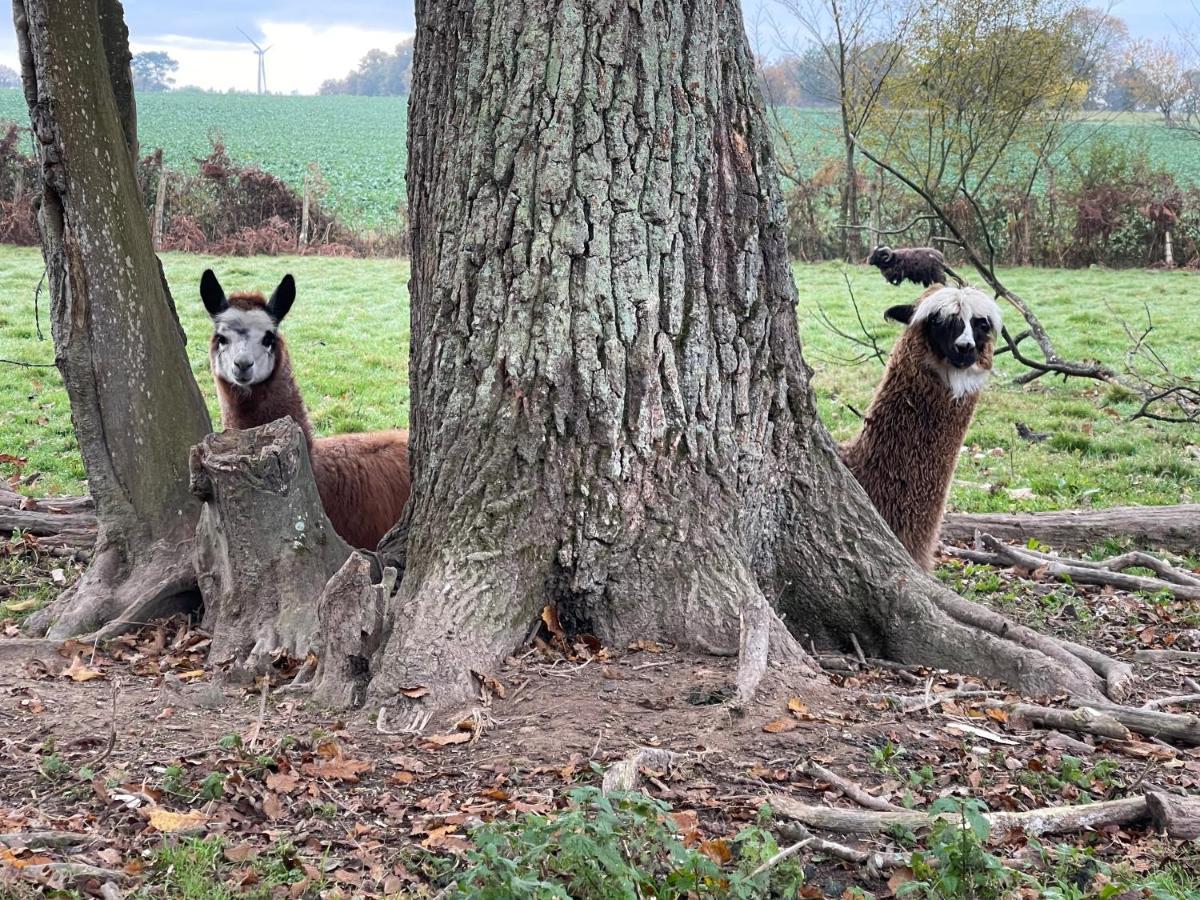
(363,479)
(905,454)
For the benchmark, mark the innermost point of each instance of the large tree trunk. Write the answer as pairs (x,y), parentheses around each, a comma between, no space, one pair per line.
(610,409)
(119,346)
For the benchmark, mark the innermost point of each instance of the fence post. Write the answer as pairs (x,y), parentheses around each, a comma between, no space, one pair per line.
(160,202)
(304,215)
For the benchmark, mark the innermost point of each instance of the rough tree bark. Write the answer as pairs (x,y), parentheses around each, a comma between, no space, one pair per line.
(119,346)
(610,408)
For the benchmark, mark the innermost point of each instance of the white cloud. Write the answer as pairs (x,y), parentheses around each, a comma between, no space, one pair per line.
(301,57)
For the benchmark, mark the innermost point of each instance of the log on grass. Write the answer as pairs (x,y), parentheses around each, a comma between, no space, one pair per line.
(1173,528)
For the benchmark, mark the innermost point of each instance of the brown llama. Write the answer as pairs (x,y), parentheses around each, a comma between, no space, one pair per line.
(905,454)
(363,479)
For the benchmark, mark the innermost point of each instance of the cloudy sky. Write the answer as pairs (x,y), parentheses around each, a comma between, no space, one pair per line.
(312,41)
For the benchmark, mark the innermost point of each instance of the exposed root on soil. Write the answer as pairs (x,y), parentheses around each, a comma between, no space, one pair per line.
(116,595)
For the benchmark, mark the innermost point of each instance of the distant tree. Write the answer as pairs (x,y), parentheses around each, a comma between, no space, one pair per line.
(153,71)
(990,90)
(9,78)
(1101,48)
(1159,80)
(379,74)
(855,47)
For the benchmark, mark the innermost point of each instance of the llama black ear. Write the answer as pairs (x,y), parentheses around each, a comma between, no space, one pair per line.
(212,294)
(901,314)
(282,299)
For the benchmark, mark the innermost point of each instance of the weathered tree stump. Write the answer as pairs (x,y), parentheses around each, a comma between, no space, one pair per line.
(264,547)
(351,613)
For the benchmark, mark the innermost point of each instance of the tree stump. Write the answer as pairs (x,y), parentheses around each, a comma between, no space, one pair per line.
(351,613)
(264,547)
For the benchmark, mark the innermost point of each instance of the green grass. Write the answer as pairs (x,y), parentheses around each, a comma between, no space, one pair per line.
(348,335)
(358,142)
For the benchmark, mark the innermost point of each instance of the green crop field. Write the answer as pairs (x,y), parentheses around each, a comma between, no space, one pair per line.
(359,144)
(348,335)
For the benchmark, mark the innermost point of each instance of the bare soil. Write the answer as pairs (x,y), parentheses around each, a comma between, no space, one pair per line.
(109,741)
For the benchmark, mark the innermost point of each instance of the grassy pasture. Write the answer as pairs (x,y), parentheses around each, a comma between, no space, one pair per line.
(348,335)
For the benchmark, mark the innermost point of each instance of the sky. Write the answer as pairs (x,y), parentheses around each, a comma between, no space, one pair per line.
(314,40)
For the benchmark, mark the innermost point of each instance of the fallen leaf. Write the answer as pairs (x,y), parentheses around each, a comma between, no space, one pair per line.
(796,706)
(688,822)
(445,740)
(444,839)
(780,725)
(342,768)
(240,853)
(77,671)
(168,822)
(1000,715)
(717,850)
(414,692)
(283,782)
(403,777)
(272,806)
(900,877)
(58,576)
(194,673)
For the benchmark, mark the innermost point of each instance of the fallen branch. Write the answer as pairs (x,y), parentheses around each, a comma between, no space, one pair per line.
(1083,720)
(72,529)
(874,861)
(1048,820)
(1165,656)
(1179,700)
(1184,728)
(855,792)
(44,839)
(1076,571)
(1179,817)
(1172,528)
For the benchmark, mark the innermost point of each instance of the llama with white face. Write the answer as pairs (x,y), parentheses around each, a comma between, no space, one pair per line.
(363,479)
(905,454)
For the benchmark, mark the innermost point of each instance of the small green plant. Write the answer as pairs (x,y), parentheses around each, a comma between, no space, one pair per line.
(53,767)
(883,758)
(615,846)
(212,787)
(173,781)
(958,863)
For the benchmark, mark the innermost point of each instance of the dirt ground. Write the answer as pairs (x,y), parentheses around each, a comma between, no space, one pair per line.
(134,744)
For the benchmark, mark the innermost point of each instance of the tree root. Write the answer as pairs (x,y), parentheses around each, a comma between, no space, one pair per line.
(115,594)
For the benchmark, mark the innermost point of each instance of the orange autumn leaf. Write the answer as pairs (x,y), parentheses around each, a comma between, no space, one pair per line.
(445,740)
(717,850)
(780,725)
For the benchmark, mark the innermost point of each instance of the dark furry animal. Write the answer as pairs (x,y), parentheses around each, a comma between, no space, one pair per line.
(921,265)
(363,479)
(905,455)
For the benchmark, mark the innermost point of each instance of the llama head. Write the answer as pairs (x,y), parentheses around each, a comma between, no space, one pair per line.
(245,342)
(959,326)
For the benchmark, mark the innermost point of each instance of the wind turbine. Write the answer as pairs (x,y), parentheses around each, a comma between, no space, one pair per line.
(262,63)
